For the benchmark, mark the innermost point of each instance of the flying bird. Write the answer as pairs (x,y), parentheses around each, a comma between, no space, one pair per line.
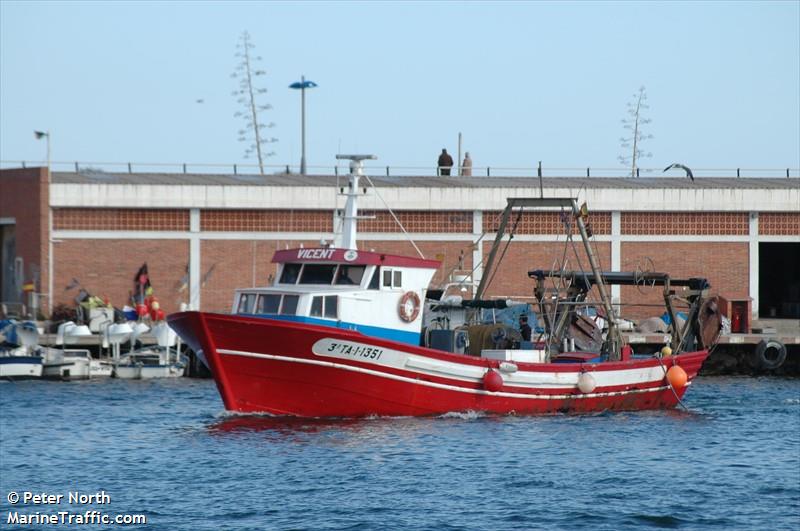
(683,167)
(201,100)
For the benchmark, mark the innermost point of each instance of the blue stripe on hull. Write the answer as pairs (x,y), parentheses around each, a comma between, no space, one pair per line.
(30,360)
(401,336)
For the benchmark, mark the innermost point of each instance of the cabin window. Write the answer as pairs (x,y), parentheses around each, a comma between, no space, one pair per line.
(289,306)
(317,274)
(325,306)
(331,306)
(392,278)
(268,303)
(246,302)
(376,277)
(290,273)
(316,307)
(350,275)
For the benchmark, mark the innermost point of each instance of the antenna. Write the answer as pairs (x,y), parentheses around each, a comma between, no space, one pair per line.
(351,208)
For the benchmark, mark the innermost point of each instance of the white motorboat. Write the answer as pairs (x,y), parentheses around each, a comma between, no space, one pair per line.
(162,361)
(20,362)
(151,362)
(66,364)
(74,364)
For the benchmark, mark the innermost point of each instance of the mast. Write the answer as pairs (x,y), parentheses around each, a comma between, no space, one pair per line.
(349,227)
(614,338)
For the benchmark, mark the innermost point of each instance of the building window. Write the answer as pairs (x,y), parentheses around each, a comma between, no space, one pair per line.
(317,274)
(290,273)
(246,303)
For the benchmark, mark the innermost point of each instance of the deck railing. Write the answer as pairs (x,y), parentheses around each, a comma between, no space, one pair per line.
(392,171)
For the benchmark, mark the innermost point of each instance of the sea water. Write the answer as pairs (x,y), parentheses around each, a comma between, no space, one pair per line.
(166,450)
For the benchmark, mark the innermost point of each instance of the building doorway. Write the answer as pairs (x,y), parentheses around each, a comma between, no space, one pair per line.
(779,280)
(9,290)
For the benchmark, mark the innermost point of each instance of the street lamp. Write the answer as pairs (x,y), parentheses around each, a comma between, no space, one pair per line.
(303,84)
(40,135)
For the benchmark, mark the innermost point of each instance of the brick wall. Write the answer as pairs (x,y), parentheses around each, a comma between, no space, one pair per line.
(779,223)
(512,279)
(267,220)
(24,195)
(453,221)
(139,219)
(106,268)
(706,223)
(545,222)
(725,265)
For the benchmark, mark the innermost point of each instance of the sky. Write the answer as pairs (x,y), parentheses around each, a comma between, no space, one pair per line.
(522,82)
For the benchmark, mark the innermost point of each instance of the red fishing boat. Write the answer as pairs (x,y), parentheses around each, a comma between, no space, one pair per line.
(340,334)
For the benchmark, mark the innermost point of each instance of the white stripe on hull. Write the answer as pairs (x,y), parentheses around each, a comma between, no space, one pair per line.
(437,385)
(20,370)
(418,364)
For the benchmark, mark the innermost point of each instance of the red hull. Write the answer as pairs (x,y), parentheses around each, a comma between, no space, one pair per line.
(287,368)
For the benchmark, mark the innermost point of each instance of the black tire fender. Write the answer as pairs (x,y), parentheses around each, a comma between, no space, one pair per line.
(768,360)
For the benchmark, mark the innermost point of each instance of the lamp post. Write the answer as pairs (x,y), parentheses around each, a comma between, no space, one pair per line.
(39,135)
(303,84)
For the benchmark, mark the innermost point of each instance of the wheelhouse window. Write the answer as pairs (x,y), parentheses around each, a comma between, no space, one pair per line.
(268,303)
(246,303)
(325,306)
(316,307)
(331,306)
(350,275)
(289,306)
(392,278)
(376,277)
(290,273)
(317,274)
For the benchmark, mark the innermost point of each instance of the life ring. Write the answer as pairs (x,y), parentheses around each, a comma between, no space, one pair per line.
(768,360)
(409,306)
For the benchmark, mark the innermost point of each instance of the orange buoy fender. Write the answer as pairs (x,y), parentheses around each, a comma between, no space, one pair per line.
(492,381)
(677,377)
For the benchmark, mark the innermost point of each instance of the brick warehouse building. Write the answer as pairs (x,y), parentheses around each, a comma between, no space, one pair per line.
(204,235)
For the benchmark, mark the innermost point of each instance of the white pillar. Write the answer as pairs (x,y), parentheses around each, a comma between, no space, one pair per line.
(477,251)
(753,237)
(194,259)
(616,252)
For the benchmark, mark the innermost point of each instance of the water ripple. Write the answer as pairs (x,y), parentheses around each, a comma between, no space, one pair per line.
(167,449)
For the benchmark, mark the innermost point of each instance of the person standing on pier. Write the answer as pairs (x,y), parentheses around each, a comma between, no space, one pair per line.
(445,163)
(466,166)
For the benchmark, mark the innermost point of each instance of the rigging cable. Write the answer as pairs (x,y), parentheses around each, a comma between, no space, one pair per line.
(393,216)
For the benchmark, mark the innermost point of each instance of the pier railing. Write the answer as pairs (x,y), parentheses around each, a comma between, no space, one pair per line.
(392,171)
